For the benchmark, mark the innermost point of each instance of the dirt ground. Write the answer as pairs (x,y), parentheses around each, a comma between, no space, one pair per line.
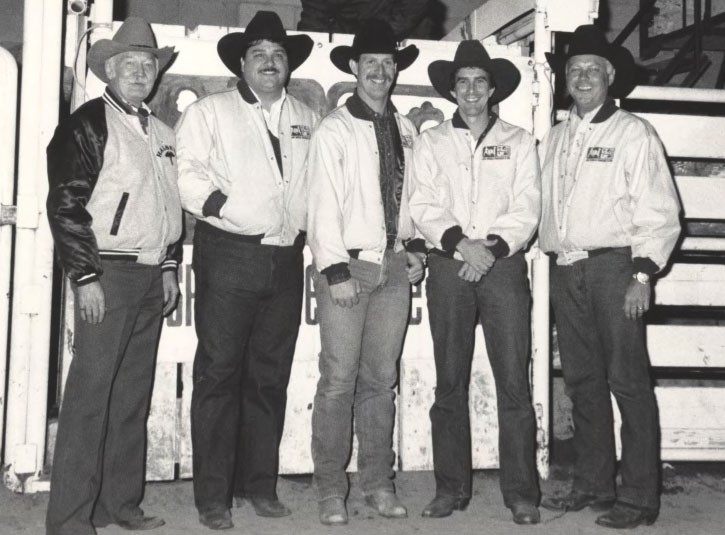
(693,503)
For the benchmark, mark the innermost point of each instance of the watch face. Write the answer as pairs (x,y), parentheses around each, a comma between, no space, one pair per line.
(642,277)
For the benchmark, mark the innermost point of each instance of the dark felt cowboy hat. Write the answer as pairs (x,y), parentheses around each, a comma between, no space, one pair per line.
(134,35)
(590,40)
(268,26)
(471,53)
(375,36)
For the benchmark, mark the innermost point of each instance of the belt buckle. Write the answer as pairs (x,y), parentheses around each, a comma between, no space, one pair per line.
(567,258)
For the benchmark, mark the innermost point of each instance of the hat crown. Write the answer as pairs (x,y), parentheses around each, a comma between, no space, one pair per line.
(265,25)
(471,52)
(375,36)
(588,39)
(135,31)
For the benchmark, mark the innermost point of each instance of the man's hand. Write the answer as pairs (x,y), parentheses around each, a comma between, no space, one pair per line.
(468,274)
(91,302)
(171,291)
(416,267)
(477,254)
(637,300)
(345,294)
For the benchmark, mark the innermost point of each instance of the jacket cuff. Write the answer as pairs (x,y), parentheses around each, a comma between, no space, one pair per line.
(87,279)
(451,237)
(644,265)
(501,248)
(169,265)
(337,273)
(213,204)
(415,246)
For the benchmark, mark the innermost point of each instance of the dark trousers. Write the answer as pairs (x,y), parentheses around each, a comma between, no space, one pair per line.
(502,300)
(100,452)
(601,352)
(248,305)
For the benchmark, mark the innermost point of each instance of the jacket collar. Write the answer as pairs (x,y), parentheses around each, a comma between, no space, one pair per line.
(120,105)
(246,92)
(458,122)
(604,113)
(358,109)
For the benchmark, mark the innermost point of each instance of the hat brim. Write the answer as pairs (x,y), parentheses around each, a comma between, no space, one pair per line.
(506,77)
(625,69)
(341,56)
(231,47)
(105,49)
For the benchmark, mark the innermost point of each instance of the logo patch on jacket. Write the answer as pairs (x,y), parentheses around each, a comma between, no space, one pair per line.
(166,151)
(600,154)
(300,131)
(407,141)
(497,152)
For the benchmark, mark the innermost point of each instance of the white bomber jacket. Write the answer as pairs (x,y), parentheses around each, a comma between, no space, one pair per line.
(226,159)
(624,194)
(493,190)
(345,206)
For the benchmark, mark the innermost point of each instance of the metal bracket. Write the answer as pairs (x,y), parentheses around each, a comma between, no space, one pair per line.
(8,214)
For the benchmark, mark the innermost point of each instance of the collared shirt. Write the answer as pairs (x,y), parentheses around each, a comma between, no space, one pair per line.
(621,192)
(492,190)
(271,116)
(138,117)
(390,158)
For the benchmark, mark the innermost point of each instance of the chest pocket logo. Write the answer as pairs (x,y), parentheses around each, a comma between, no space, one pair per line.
(407,141)
(496,152)
(300,131)
(166,151)
(600,154)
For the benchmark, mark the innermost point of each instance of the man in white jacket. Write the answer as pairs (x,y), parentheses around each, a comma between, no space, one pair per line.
(610,219)
(242,156)
(475,196)
(361,238)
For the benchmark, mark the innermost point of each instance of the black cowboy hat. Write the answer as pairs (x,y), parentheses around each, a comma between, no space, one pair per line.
(375,36)
(590,40)
(471,53)
(134,35)
(264,25)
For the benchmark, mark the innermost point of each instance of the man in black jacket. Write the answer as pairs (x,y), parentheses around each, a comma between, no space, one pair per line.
(114,211)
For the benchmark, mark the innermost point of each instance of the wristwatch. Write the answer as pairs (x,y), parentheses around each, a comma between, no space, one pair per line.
(642,278)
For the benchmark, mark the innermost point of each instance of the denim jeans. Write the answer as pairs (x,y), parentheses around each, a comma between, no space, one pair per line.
(358,372)
(602,351)
(100,453)
(248,304)
(502,300)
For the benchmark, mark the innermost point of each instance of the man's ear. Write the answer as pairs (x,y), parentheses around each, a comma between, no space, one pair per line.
(353,66)
(110,68)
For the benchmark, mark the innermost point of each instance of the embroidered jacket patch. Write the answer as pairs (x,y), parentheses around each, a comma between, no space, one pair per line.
(300,131)
(407,141)
(497,152)
(166,151)
(600,154)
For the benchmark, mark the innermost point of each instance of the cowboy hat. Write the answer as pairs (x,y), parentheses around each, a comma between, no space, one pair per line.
(268,26)
(374,37)
(590,40)
(471,53)
(134,35)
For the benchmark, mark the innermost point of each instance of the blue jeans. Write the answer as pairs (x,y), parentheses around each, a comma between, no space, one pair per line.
(358,372)
(100,451)
(501,299)
(248,304)
(602,351)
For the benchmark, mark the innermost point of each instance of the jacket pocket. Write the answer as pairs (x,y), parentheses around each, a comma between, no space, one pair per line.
(119,214)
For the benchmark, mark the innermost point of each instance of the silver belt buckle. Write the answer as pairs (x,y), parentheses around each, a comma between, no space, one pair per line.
(567,258)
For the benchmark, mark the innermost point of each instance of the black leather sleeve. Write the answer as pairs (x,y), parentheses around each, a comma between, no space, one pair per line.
(75,158)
